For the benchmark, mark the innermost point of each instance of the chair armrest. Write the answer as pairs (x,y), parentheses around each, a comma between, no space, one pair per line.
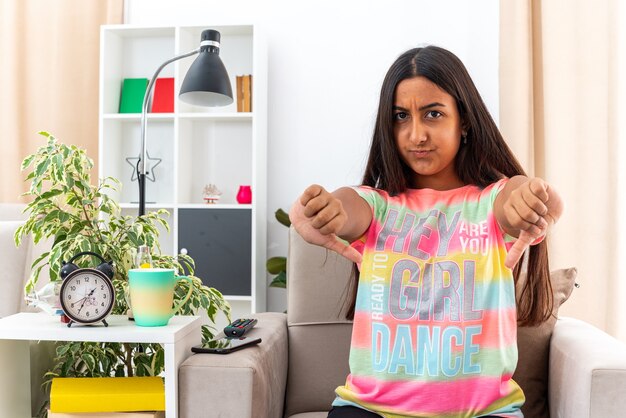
(247,383)
(587,372)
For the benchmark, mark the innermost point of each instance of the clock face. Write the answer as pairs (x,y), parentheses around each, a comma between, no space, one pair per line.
(87,296)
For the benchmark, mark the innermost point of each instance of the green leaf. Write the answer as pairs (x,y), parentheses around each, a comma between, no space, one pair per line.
(158,362)
(280,280)
(207,333)
(65,368)
(42,167)
(133,238)
(50,194)
(28,161)
(17,236)
(40,258)
(52,216)
(62,236)
(62,349)
(282,217)
(106,363)
(89,360)
(72,200)
(64,217)
(276,265)
(119,371)
(58,167)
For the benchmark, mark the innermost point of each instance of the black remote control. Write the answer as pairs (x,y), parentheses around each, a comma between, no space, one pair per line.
(239,327)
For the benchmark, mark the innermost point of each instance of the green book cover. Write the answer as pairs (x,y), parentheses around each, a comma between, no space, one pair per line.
(133,90)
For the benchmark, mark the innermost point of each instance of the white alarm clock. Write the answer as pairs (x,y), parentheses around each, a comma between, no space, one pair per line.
(87,295)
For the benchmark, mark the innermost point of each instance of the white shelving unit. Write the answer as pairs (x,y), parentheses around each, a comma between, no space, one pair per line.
(197,146)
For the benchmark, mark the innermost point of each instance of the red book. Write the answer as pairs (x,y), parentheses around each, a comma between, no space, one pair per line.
(163,100)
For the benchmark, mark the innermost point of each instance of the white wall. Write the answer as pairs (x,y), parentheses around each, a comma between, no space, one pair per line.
(327,60)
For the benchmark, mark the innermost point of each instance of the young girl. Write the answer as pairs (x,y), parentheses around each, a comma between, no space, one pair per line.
(432,231)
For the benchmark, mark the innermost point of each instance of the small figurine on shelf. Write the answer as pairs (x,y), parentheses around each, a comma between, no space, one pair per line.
(211,193)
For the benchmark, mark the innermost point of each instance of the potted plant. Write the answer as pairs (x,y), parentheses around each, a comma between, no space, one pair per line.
(278,265)
(79,216)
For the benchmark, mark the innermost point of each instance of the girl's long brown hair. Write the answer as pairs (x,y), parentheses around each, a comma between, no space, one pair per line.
(485,159)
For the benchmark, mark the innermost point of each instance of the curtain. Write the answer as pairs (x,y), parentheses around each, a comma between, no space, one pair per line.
(559,112)
(49,78)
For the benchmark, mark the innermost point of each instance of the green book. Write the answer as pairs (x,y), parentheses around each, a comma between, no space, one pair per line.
(133,90)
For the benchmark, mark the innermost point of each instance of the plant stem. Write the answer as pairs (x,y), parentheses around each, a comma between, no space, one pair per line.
(129,359)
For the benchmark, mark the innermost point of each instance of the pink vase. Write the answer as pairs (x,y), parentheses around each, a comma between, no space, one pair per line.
(244,195)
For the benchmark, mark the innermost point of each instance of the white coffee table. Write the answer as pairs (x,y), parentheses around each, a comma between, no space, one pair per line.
(17,330)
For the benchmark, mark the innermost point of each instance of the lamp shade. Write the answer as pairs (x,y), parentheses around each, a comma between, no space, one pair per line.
(207,82)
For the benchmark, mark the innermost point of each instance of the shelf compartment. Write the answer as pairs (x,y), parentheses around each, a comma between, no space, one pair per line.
(122,139)
(214,152)
(133,53)
(236,54)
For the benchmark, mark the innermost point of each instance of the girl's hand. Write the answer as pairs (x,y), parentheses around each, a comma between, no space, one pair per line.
(318,217)
(531,208)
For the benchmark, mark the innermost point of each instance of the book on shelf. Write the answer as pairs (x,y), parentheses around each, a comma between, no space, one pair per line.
(144,414)
(238,95)
(244,93)
(163,99)
(107,394)
(247,93)
(133,90)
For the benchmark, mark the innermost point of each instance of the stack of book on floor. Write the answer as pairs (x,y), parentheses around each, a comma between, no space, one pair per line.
(107,397)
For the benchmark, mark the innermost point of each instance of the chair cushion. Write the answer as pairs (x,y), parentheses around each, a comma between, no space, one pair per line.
(533,345)
(318,363)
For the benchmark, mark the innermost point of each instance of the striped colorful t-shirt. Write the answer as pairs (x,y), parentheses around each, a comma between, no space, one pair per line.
(434,330)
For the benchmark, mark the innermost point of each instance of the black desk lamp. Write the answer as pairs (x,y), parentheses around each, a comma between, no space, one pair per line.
(206,84)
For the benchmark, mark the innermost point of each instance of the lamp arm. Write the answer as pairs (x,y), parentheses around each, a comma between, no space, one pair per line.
(146,102)
(141,165)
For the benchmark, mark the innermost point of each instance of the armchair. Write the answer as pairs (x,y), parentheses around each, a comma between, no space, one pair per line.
(15,267)
(304,356)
